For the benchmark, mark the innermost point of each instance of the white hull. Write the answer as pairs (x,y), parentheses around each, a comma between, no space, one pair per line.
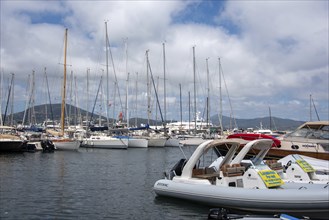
(172,142)
(192,141)
(106,143)
(234,184)
(66,144)
(313,199)
(156,142)
(137,143)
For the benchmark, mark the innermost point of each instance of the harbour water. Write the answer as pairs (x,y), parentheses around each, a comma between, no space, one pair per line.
(90,184)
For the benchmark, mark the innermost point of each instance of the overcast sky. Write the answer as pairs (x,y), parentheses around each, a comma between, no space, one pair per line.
(273,55)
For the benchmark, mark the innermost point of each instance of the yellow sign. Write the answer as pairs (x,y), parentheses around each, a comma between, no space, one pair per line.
(305,166)
(270,178)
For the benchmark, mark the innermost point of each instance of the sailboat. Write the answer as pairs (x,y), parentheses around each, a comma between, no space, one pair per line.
(62,140)
(102,139)
(154,137)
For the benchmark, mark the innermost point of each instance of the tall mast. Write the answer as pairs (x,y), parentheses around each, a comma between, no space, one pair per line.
(71,97)
(189,111)
(28,99)
(9,93)
(127,86)
(12,103)
(194,77)
(107,74)
(127,101)
(87,117)
(64,86)
(208,93)
(156,106)
(33,119)
(148,88)
(220,98)
(136,99)
(46,110)
(180,105)
(164,82)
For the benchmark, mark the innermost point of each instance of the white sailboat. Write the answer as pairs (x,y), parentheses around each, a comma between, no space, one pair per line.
(154,139)
(62,140)
(104,140)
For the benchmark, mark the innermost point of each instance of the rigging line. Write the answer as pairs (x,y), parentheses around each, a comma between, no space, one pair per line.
(229,99)
(27,100)
(92,113)
(315,110)
(51,109)
(115,75)
(157,98)
(9,91)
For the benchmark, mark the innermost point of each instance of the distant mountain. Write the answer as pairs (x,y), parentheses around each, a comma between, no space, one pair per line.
(41,111)
(273,123)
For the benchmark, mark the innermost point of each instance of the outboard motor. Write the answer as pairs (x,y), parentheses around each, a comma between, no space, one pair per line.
(47,146)
(177,169)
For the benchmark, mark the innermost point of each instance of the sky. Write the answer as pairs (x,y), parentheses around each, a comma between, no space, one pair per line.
(251,58)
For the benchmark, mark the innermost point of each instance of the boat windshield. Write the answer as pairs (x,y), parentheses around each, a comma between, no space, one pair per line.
(208,157)
(311,133)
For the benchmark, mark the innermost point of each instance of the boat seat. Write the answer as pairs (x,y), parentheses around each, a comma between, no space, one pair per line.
(232,170)
(274,164)
(196,172)
(209,170)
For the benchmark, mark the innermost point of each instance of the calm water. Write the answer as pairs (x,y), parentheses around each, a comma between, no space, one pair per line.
(90,184)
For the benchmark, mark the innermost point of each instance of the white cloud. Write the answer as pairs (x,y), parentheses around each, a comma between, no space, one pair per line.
(275,51)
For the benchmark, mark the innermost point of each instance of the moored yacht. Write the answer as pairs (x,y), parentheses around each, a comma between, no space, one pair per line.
(310,139)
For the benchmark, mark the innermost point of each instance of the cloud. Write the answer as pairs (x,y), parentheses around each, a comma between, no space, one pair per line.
(271,52)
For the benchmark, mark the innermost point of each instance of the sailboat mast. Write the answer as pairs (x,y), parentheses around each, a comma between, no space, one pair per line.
(64,86)
(208,93)
(148,88)
(136,99)
(107,75)
(9,93)
(180,105)
(33,119)
(87,117)
(220,98)
(127,86)
(27,100)
(12,103)
(164,82)
(127,101)
(194,78)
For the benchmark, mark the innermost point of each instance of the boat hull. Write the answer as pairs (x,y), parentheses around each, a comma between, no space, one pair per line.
(156,142)
(295,198)
(12,145)
(66,144)
(114,143)
(137,143)
(287,150)
(172,142)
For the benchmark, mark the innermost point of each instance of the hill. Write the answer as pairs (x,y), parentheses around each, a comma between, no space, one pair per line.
(273,123)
